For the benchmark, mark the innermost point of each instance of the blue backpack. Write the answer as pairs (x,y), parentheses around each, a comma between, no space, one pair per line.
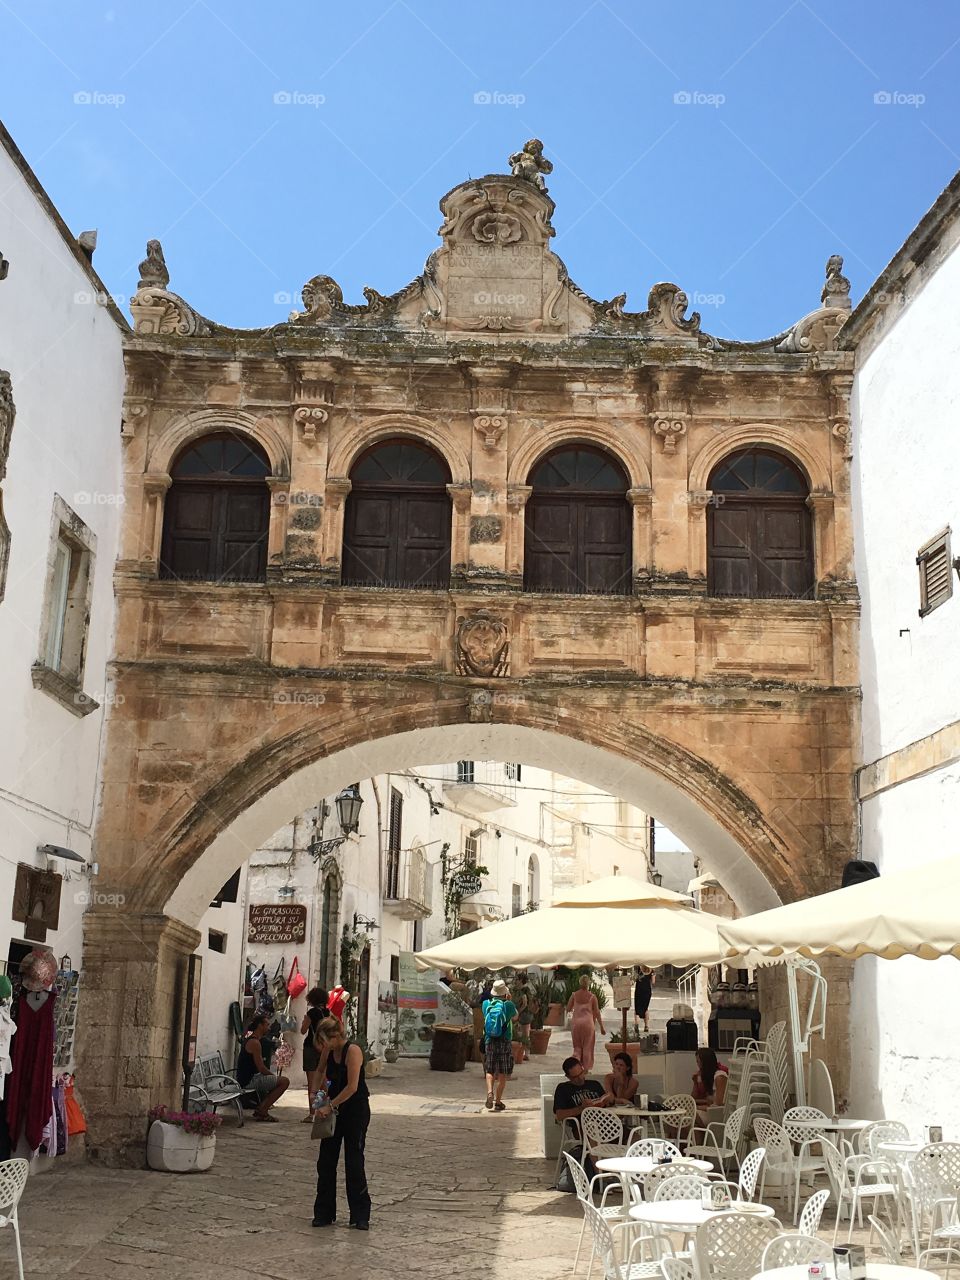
(495,1020)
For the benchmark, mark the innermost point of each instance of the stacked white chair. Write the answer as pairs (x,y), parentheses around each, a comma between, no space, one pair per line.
(13,1179)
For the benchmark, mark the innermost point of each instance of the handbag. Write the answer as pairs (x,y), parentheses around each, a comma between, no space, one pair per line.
(323,1126)
(296,983)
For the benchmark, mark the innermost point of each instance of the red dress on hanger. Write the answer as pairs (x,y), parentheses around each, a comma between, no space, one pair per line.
(30,1085)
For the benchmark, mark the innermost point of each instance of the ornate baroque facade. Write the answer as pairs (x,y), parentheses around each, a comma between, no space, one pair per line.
(606,601)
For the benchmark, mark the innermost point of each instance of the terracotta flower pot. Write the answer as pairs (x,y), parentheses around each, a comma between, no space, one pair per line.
(540,1040)
(518,1051)
(554,1016)
(613,1047)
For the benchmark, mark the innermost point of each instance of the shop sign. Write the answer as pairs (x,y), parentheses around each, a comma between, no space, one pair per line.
(278,922)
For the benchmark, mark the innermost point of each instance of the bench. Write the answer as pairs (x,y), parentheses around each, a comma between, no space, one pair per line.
(212,1086)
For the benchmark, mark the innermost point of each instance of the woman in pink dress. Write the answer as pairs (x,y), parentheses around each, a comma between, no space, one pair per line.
(586,1014)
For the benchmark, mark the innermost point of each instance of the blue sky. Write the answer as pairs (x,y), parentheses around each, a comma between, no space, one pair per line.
(730,148)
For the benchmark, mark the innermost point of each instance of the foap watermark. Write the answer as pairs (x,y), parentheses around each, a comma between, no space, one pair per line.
(298,98)
(82,699)
(298,698)
(298,498)
(96,898)
(99,297)
(496,298)
(897,98)
(707,299)
(95,499)
(698,98)
(496,98)
(97,98)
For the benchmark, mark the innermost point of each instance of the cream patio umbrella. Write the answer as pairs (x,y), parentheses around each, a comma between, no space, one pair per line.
(907,913)
(615,922)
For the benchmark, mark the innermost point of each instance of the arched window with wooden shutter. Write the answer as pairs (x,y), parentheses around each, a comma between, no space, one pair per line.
(397,520)
(759,528)
(578,523)
(217,514)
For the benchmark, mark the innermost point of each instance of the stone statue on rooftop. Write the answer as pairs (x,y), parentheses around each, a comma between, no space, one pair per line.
(530,163)
(836,289)
(153,269)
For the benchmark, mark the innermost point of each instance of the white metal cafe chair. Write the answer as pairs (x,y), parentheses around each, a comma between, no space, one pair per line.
(794,1249)
(677,1269)
(881,1131)
(873,1180)
(719,1142)
(812,1212)
(602,1134)
(665,1173)
(682,1186)
(13,1179)
(730,1246)
(617,1257)
(678,1116)
(750,1172)
(585,1187)
(652,1146)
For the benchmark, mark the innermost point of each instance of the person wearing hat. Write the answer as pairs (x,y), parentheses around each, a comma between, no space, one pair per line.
(498,1015)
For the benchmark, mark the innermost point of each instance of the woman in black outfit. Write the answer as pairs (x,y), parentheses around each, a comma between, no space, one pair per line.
(349,1102)
(316,1012)
(642,993)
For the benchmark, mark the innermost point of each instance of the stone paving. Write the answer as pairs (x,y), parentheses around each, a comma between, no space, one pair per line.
(457,1191)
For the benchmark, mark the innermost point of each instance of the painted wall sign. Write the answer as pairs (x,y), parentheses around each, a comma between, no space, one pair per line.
(278,922)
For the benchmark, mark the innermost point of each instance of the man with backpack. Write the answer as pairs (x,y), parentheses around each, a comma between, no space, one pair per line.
(498,1015)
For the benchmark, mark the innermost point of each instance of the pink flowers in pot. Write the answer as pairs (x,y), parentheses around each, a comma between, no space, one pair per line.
(201,1123)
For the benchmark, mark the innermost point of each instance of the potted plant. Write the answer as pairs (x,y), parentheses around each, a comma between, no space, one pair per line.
(181,1141)
(544,989)
(632,1045)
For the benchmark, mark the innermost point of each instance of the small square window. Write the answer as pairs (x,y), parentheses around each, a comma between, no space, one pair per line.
(217,941)
(936,584)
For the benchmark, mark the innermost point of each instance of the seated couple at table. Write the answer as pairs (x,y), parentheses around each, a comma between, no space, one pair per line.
(578,1091)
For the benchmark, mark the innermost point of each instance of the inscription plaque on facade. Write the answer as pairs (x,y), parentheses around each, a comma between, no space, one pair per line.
(278,922)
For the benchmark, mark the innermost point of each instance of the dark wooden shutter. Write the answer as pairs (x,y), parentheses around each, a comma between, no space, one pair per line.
(936,584)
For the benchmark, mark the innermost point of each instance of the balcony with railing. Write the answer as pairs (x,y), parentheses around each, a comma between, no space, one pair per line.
(408,884)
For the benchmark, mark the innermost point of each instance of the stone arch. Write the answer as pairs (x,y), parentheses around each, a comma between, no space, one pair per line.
(352,443)
(172,438)
(595,431)
(759,434)
(232,808)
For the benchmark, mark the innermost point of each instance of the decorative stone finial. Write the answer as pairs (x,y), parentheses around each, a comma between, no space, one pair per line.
(153,269)
(530,163)
(836,290)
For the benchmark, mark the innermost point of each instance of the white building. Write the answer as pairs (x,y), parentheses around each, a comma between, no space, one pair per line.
(60,496)
(393,885)
(906,471)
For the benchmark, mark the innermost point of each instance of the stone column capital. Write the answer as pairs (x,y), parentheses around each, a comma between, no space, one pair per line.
(461,495)
(518,495)
(640,497)
(155,484)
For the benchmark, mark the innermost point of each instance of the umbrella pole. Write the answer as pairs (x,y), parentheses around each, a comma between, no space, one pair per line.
(624,1031)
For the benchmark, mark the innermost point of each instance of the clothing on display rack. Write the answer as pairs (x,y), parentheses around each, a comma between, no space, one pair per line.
(8,1029)
(29,1092)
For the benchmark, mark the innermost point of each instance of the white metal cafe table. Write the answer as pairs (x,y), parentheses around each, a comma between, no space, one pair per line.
(900,1150)
(687,1215)
(628,1167)
(643,1114)
(875,1271)
(839,1124)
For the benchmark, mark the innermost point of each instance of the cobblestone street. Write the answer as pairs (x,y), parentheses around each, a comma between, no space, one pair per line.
(457,1190)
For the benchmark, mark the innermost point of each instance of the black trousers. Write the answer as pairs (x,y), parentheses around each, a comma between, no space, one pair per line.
(351,1134)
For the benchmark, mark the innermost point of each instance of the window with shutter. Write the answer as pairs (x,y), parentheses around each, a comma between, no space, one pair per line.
(471,847)
(933,561)
(394,843)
